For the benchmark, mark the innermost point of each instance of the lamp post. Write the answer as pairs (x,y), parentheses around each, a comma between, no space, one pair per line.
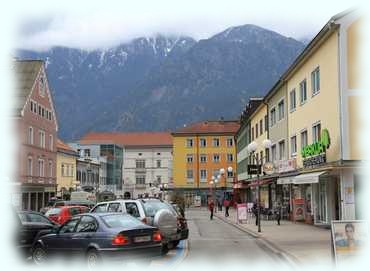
(214,182)
(222,173)
(252,147)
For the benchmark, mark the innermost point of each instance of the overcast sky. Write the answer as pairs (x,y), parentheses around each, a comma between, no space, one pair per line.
(106,23)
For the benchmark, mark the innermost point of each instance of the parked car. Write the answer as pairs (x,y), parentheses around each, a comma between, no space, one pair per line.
(31,225)
(60,203)
(100,236)
(151,211)
(182,225)
(62,214)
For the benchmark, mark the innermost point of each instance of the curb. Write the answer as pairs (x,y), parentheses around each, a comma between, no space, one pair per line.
(265,243)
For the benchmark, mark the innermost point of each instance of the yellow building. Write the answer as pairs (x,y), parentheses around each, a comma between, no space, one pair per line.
(66,169)
(200,151)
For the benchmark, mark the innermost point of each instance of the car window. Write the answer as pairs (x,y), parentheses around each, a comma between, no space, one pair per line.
(74,211)
(121,221)
(87,224)
(69,226)
(101,208)
(58,204)
(23,217)
(38,218)
(114,207)
(132,209)
(53,211)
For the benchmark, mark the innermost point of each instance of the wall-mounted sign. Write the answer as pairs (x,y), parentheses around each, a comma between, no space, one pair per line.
(268,168)
(298,209)
(286,165)
(254,169)
(314,154)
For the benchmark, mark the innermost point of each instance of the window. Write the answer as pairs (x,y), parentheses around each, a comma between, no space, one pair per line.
(132,209)
(114,207)
(273,116)
(50,169)
(140,179)
(73,172)
(282,150)
(101,208)
(256,130)
(43,112)
(230,174)
(69,226)
(32,106)
(216,142)
(42,139)
(216,158)
(63,170)
(87,224)
(267,155)
(252,133)
(203,158)
(159,179)
(230,157)
(230,142)
(189,174)
(266,123)
(30,135)
(315,81)
(189,143)
(257,158)
(293,145)
(303,139)
(158,163)
(189,158)
(39,110)
(29,166)
(87,152)
(261,127)
(303,91)
(281,110)
(316,132)
(293,101)
(203,142)
(41,168)
(51,142)
(203,174)
(273,152)
(140,163)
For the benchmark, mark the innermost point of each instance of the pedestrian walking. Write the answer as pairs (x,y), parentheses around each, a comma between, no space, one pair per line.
(211,207)
(227,206)
(278,213)
(255,212)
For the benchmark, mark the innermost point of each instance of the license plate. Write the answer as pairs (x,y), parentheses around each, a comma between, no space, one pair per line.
(140,239)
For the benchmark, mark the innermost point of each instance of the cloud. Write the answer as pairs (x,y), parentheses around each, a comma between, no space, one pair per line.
(101,24)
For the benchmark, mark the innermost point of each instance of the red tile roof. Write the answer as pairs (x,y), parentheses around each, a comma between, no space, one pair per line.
(210,127)
(129,139)
(61,146)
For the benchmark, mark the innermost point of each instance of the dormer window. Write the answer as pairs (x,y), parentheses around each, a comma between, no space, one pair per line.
(42,86)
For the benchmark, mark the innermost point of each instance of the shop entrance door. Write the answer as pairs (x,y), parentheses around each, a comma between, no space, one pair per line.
(322,210)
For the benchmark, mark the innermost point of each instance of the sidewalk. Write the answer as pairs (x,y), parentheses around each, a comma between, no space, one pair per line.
(300,243)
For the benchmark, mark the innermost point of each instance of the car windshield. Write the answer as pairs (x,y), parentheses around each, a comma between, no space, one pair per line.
(121,221)
(53,211)
(151,207)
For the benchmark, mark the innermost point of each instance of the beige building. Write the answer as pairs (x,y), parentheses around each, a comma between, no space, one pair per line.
(66,169)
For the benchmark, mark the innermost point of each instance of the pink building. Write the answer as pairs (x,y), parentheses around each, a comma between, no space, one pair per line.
(37,134)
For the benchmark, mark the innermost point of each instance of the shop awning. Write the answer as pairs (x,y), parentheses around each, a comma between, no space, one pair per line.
(308,178)
(286,180)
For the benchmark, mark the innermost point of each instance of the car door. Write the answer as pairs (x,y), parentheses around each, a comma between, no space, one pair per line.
(84,233)
(62,240)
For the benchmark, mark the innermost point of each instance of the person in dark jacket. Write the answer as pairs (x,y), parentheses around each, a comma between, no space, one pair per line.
(278,213)
(255,212)
(211,207)
(227,206)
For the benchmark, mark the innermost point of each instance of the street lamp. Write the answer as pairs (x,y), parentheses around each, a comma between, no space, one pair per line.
(214,182)
(251,148)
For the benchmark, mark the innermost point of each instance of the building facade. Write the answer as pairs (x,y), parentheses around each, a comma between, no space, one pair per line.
(37,132)
(312,128)
(66,170)
(200,151)
(88,170)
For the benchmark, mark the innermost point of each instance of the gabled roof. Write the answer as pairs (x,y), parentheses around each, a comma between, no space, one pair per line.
(129,138)
(64,148)
(210,127)
(26,72)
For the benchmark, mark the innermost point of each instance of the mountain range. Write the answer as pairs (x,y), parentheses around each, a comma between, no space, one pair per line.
(163,82)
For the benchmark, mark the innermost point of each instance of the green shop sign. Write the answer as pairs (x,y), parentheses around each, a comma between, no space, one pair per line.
(318,147)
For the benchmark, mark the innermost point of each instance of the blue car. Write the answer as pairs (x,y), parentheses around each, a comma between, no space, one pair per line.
(97,237)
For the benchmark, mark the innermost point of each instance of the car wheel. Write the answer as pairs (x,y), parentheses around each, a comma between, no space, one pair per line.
(39,254)
(93,258)
(165,249)
(174,244)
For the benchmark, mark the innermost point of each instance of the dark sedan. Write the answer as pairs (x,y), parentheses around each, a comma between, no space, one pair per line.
(97,236)
(31,224)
